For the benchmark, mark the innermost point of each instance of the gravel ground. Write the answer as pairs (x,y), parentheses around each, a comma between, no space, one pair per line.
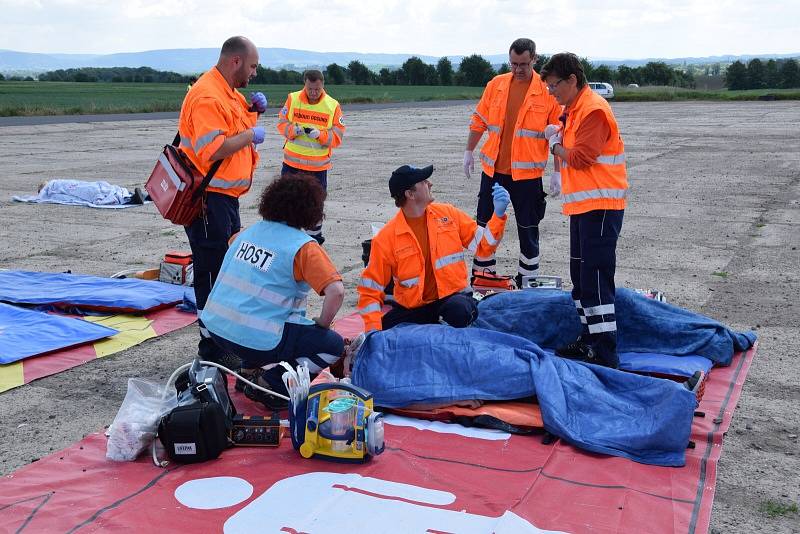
(712,221)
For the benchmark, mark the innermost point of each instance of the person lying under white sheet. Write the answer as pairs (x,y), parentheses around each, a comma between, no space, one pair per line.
(99,193)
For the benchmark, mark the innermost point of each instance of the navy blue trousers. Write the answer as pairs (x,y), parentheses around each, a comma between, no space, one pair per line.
(313,345)
(322,177)
(208,237)
(527,197)
(592,263)
(458,310)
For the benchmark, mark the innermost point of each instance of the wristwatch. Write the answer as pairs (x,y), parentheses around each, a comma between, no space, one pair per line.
(553,148)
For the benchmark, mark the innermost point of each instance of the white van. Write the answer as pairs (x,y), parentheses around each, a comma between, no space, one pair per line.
(603,89)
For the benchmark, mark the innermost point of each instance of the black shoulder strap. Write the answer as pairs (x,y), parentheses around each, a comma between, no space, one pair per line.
(211,172)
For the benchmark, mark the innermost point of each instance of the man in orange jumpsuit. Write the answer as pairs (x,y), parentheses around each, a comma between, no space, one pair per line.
(514,109)
(217,123)
(422,249)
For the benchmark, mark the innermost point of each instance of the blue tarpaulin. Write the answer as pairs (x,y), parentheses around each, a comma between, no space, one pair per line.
(90,292)
(598,409)
(25,333)
(548,318)
(647,362)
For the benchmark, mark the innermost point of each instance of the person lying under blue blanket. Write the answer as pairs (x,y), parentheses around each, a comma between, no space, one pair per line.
(595,408)
(547,318)
(500,357)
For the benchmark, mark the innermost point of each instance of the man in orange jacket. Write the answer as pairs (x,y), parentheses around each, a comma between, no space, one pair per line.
(311,121)
(217,123)
(514,109)
(594,186)
(422,249)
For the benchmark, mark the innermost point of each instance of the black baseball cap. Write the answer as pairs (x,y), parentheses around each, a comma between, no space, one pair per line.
(407,177)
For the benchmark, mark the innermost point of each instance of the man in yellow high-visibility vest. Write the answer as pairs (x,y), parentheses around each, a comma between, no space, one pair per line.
(311,122)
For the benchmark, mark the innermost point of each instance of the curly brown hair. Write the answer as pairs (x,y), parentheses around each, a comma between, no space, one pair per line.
(296,199)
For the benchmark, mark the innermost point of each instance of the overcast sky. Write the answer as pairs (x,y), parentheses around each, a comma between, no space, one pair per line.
(619,29)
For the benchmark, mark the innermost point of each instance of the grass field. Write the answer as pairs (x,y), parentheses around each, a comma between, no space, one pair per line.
(647,94)
(66,98)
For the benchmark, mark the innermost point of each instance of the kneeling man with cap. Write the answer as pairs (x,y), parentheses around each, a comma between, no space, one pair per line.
(422,249)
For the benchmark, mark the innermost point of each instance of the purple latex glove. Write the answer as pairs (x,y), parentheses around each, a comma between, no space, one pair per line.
(258,101)
(258,135)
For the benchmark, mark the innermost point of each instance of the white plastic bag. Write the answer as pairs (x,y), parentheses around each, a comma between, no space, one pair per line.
(136,422)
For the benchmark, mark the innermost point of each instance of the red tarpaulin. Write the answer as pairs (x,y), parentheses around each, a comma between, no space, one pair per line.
(442,479)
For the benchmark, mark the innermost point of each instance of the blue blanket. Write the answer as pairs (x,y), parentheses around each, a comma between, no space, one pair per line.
(598,409)
(25,333)
(548,318)
(93,292)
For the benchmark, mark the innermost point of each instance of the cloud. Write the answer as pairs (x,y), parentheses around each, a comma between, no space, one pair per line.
(621,29)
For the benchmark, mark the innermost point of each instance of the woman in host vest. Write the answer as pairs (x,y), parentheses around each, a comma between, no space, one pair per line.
(594,185)
(257,308)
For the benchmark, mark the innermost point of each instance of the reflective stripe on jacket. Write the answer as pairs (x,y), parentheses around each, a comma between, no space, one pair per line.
(212,111)
(604,184)
(303,152)
(529,148)
(396,254)
(255,293)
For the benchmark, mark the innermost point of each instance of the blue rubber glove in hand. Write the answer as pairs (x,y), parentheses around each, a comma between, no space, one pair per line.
(500,199)
(258,135)
(258,101)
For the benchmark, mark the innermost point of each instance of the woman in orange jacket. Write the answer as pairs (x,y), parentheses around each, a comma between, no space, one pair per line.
(594,184)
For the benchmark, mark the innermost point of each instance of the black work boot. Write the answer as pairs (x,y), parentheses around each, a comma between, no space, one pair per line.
(249,374)
(138,196)
(209,351)
(573,350)
(583,351)
(272,402)
(605,349)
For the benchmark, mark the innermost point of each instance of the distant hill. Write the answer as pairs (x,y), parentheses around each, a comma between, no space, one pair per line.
(193,60)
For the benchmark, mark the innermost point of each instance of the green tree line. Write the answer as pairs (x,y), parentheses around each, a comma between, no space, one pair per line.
(114,74)
(757,74)
(473,71)
(16,78)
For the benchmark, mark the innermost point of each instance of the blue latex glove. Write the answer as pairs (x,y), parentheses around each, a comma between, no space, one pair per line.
(258,101)
(500,199)
(258,135)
